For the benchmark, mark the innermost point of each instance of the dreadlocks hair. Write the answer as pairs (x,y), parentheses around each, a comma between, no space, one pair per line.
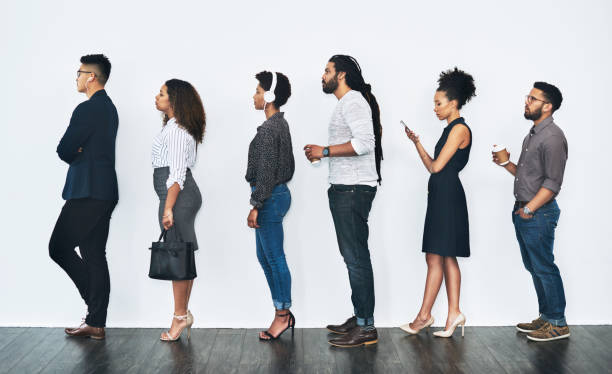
(354,79)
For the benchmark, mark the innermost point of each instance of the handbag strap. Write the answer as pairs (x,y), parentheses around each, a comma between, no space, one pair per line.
(163,235)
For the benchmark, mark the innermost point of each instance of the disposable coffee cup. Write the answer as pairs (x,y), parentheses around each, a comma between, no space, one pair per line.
(315,161)
(502,154)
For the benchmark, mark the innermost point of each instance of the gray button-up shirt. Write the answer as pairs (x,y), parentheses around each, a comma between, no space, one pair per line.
(542,161)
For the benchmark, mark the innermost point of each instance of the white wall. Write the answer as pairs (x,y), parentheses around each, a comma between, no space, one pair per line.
(218,48)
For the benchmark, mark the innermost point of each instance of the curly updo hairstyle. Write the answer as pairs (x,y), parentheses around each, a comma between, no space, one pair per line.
(457,85)
(282,92)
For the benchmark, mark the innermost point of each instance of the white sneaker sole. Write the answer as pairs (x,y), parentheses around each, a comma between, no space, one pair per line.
(548,339)
(524,330)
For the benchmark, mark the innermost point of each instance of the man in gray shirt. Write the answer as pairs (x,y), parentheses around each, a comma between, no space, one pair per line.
(538,179)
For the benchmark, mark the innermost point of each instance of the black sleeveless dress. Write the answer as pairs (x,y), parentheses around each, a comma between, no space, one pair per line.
(446,222)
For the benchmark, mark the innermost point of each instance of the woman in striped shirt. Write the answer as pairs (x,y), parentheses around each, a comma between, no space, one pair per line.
(173,156)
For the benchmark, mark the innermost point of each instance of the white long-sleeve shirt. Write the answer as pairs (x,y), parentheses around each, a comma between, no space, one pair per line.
(176,148)
(352,121)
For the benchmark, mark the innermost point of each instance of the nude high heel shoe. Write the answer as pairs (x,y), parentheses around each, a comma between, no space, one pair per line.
(166,337)
(459,321)
(412,331)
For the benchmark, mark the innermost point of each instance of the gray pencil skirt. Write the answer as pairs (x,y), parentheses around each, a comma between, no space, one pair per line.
(185,209)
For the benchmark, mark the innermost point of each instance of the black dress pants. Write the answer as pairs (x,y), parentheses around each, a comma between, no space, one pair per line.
(84,223)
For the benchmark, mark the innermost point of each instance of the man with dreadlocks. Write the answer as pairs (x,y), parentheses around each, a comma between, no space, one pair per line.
(354,153)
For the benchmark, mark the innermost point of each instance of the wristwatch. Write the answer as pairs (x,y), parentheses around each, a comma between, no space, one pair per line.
(527,211)
(326,152)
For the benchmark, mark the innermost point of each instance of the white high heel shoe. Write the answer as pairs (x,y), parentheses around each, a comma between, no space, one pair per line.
(459,321)
(412,331)
(166,337)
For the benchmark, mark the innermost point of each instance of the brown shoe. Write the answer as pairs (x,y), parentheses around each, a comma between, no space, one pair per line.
(531,326)
(86,331)
(67,330)
(358,336)
(344,328)
(549,332)
(74,328)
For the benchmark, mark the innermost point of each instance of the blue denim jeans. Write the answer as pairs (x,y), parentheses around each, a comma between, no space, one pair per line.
(536,237)
(269,238)
(350,207)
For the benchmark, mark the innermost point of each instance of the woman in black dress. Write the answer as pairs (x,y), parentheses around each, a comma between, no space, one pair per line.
(446,235)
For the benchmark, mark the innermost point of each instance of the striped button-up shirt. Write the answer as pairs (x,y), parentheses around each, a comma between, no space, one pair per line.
(176,148)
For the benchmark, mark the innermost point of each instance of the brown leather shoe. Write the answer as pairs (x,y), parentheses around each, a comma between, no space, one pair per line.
(67,330)
(86,331)
(358,336)
(344,328)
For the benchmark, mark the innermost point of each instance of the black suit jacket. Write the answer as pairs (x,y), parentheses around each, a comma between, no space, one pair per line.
(93,127)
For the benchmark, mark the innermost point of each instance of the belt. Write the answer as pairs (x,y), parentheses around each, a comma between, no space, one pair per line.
(521,204)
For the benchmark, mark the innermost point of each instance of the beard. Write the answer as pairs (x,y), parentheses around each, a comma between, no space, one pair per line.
(532,116)
(330,87)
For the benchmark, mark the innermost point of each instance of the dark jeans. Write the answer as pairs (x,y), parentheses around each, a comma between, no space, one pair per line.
(84,223)
(269,239)
(350,207)
(536,237)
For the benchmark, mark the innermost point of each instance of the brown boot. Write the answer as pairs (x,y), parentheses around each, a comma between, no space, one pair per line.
(86,331)
(344,328)
(531,326)
(358,336)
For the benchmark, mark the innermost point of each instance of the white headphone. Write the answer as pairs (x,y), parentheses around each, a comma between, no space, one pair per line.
(269,96)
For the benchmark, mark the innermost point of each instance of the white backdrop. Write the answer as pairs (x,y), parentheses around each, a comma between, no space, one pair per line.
(218,48)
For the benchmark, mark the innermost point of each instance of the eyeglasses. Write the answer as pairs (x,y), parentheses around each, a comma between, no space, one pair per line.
(83,71)
(530,99)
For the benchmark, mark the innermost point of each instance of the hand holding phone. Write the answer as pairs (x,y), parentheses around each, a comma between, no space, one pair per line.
(405,126)
(411,135)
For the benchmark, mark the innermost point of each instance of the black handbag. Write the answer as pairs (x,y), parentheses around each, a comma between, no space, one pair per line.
(172,260)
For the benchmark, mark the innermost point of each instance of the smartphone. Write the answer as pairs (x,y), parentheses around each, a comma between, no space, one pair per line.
(406,126)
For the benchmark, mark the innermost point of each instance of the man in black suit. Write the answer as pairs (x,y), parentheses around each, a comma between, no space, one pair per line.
(91,193)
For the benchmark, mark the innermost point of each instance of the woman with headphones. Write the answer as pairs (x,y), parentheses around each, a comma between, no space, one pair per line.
(270,167)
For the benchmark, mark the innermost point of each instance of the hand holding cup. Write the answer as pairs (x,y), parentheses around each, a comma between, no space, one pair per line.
(314,153)
(501,156)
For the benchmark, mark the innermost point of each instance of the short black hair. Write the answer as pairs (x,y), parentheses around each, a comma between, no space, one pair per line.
(458,85)
(101,62)
(551,93)
(282,90)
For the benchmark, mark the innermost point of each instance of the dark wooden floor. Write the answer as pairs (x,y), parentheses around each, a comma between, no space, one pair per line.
(483,350)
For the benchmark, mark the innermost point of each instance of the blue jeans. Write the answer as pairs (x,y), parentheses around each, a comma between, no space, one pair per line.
(536,237)
(350,207)
(269,238)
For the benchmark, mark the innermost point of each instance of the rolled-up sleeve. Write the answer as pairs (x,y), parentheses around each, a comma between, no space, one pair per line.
(178,146)
(359,119)
(554,154)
